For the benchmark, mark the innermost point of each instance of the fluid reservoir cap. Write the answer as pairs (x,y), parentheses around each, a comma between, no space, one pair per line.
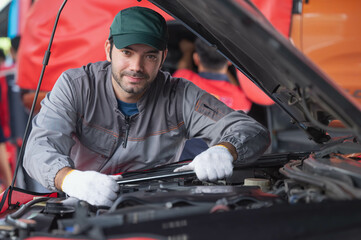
(264,184)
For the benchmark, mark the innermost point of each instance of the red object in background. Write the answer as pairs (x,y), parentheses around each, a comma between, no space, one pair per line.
(83,29)
(24,6)
(4,106)
(279,13)
(231,95)
(79,39)
(253,93)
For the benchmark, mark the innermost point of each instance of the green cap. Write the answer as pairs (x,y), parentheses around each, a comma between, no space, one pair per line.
(139,25)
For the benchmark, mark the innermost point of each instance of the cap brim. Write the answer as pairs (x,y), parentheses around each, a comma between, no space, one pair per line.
(124,40)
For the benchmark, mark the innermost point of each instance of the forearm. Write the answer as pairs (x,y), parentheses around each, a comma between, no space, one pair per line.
(245,138)
(230,148)
(214,122)
(46,154)
(59,177)
(50,141)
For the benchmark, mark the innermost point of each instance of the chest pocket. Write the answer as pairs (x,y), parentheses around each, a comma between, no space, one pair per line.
(96,138)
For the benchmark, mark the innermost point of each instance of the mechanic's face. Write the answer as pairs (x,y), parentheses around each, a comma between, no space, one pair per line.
(134,68)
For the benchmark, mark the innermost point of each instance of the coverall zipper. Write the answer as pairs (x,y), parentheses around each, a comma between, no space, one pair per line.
(127,127)
(124,144)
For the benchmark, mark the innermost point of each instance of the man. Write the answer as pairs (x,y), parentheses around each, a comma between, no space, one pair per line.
(214,77)
(126,114)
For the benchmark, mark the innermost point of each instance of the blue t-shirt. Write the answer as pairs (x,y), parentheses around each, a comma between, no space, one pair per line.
(214,76)
(128,109)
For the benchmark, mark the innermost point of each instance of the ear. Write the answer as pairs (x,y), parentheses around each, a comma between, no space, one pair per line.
(196,59)
(107,50)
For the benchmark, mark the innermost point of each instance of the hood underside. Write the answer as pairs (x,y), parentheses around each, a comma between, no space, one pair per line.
(245,37)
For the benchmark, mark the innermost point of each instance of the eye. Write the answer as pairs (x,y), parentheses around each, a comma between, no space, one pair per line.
(126,52)
(152,57)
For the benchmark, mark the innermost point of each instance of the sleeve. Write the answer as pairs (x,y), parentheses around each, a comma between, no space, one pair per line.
(210,119)
(50,141)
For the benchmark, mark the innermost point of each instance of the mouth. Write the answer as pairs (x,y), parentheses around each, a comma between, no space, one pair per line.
(135,79)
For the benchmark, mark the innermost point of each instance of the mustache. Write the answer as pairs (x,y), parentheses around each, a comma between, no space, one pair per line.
(135,74)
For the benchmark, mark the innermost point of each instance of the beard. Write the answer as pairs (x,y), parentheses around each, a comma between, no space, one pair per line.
(129,87)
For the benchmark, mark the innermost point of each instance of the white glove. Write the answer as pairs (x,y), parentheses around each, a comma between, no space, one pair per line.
(212,164)
(96,188)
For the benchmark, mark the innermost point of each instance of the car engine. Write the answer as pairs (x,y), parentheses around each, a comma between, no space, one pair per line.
(163,203)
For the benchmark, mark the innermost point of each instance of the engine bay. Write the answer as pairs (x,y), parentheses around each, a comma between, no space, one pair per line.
(158,201)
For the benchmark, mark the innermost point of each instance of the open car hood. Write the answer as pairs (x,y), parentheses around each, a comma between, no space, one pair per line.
(246,38)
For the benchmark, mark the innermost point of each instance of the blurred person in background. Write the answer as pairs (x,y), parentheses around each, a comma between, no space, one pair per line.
(19,115)
(15,115)
(214,77)
(5,169)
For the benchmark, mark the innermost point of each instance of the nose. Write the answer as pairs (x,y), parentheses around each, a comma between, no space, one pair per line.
(137,64)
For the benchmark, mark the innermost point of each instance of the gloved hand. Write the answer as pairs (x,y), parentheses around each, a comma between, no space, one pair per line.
(212,164)
(96,188)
